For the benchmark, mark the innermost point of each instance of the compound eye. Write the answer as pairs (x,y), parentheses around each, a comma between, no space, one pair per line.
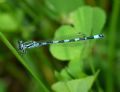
(20,47)
(101,35)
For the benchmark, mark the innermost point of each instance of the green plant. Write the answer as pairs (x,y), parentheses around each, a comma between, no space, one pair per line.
(82,17)
(72,78)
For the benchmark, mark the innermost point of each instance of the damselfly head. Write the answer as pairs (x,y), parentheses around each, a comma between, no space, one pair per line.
(21,47)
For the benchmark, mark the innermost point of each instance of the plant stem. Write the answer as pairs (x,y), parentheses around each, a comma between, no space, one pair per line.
(111,47)
(94,72)
(12,49)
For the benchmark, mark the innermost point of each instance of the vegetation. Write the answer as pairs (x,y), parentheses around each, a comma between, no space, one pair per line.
(85,66)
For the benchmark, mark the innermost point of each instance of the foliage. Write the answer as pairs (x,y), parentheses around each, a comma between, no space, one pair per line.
(70,67)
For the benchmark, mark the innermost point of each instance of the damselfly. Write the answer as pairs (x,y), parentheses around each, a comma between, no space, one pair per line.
(32,44)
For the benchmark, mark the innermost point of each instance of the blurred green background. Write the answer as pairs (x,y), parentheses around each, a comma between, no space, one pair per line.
(38,20)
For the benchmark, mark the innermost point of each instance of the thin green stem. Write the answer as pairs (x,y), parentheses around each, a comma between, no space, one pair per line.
(94,72)
(12,49)
(111,48)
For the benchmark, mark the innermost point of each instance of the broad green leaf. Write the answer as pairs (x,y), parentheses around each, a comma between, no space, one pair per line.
(99,19)
(82,19)
(72,71)
(3,86)
(65,75)
(7,22)
(76,85)
(86,20)
(65,51)
(57,75)
(75,68)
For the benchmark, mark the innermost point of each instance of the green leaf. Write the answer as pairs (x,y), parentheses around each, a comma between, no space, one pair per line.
(73,71)
(75,68)
(86,20)
(63,75)
(77,85)
(65,51)
(3,86)
(82,19)
(7,22)
(99,19)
